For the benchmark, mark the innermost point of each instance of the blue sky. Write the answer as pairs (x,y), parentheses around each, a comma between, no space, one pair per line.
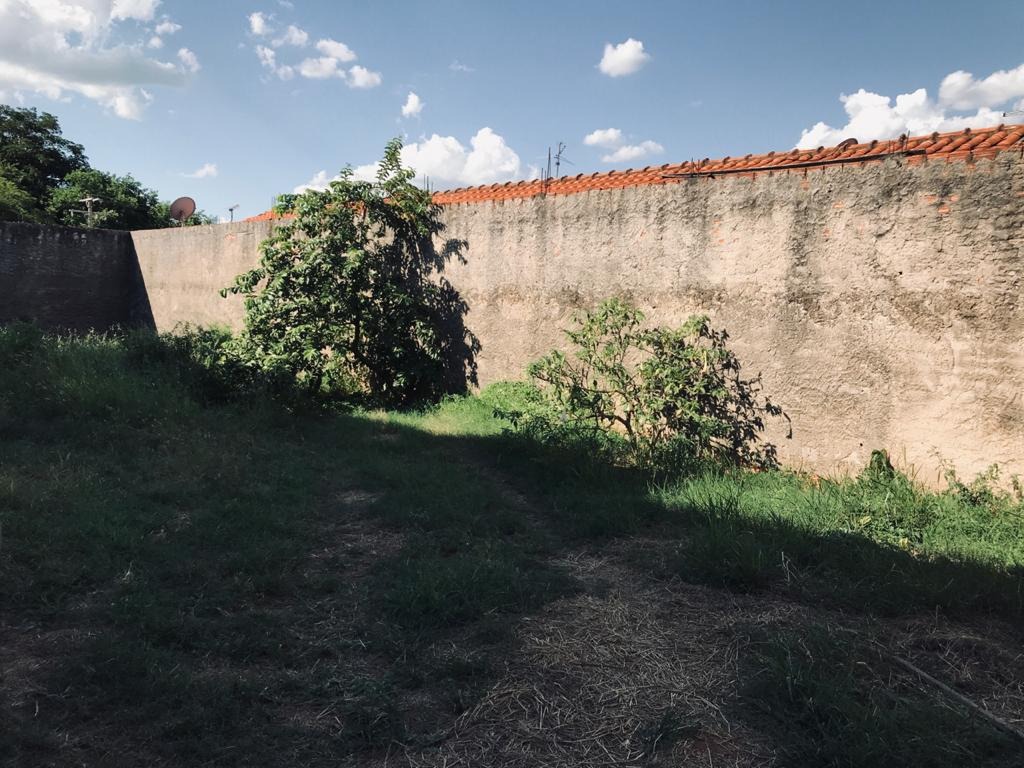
(265,109)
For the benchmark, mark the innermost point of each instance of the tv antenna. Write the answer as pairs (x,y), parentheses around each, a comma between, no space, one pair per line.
(90,214)
(182,208)
(231,211)
(559,159)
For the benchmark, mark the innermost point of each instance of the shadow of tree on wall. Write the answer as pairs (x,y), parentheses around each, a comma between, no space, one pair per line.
(458,345)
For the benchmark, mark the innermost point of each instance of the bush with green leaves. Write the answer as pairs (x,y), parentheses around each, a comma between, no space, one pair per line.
(349,298)
(666,397)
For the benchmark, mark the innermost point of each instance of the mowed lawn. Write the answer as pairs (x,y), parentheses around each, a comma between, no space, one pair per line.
(188,577)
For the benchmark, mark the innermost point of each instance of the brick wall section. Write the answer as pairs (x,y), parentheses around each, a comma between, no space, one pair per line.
(69,278)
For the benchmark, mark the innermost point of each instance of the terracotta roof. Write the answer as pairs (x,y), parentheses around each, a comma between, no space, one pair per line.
(958,145)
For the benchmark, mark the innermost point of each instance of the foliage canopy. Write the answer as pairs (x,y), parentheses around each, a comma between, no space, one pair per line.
(349,297)
(34,153)
(44,176)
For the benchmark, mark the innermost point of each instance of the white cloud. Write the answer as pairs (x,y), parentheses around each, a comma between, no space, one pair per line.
(413,105)
(361,77)
(873,116)
(959,90)
(56,47)
(166,27)
(205,171)
(330,65)
(456,66)
(286,4)
(140,10)
(259,24)
(319,182)
(603,137)
(447,161)
(155,42)
(613,138)
(336,50)
(321,68)
(293,36)
(624,58)
(188,60)
(268,58)
(629,152)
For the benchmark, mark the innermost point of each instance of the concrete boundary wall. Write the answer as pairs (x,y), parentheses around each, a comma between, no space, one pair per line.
(184,269)
(883,305)
(62,277)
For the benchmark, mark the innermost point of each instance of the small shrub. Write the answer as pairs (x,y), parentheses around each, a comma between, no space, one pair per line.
(661,398)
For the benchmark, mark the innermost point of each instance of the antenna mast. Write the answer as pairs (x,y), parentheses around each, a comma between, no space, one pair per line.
(90,214)
(559,159)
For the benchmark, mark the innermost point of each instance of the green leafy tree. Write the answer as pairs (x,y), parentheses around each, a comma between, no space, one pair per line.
(123,202)
(672,394)
(349,297)
(15,203)
(34,153)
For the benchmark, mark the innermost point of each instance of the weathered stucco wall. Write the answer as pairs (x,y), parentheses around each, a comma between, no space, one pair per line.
(61,277)
(881,304)
(184,269)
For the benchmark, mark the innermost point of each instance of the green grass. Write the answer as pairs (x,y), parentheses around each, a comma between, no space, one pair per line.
(208,573)
(841,703)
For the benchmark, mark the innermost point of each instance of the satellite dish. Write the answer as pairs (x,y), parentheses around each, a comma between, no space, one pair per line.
(182,208)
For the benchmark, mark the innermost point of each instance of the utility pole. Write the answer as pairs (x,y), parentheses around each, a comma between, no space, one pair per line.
(89,212)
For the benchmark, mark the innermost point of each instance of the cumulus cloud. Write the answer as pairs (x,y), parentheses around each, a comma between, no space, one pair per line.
(614,139)
(293,36)
(624,58)
(155,42)
(874,116)
(413,105)
(361,77)
(447,161)
(336,50)
(457,66)
(960,90)
(188,60)
(205,171)
(268,58)
(140,10)
(330,65)
(166,27)
(259,24)
(56,48)
(321,68)
(603,137)
(628,152)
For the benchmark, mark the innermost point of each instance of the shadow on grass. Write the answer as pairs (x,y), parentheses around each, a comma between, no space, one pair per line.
(833,700)
(188,581)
